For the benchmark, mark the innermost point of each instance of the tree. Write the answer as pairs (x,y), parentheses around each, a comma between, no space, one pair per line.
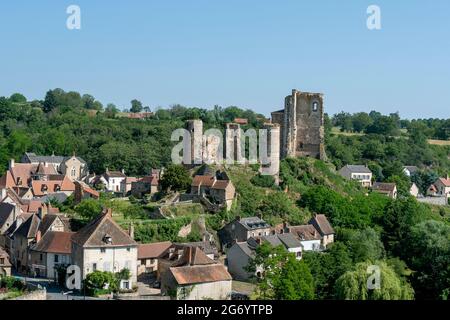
(176,178)
(50,102)
(353,284)
(18,98)
(111,110)
(89,209)
(428,253)
(281,275)
(136,106)
(365,245)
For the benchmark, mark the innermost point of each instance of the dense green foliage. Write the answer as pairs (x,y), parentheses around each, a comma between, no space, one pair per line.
(282,277)
(176,178)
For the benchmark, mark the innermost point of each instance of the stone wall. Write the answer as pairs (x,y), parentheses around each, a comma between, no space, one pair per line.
(34,295)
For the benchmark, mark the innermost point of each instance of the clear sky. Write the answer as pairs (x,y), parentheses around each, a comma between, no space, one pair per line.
(232,52)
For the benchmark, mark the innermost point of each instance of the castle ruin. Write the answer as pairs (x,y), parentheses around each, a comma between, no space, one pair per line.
(301,126)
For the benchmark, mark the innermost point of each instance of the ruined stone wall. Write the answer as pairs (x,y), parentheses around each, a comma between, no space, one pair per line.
(272,157)
(195,128)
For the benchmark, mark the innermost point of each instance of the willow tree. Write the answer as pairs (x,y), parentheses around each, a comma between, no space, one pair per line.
(353,285)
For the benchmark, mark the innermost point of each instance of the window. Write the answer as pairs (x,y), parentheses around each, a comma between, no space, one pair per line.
(102,250)
(94,267)
(128,249)
(299,254)
(74,172)
(2,260)
(315,106)
(40,257)
(56,258)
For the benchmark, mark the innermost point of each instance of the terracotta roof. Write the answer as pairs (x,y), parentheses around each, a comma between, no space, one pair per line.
(193,256)
(95,234)
(445,182)
(153,180)
(55,242)
(200,274)
(207,181)
(41,188)
(7,180)
(240,121)
(22,171)
(305,232)
(323,224)
(221,184)
(152,250)
(130,179)
(45,170)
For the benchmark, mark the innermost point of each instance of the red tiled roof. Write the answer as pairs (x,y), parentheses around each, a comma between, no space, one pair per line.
(55,242)
(152,250)
(207,181)
(221,184)
(445,182)
(200,274)
(52,186)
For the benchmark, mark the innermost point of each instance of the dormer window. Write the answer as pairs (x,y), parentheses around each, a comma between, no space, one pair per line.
(107,239)
(57,188)
(44,187)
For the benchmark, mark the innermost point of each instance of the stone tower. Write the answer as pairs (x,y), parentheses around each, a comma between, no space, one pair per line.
(233,147)
(271,160)
(194,143)
(302,125)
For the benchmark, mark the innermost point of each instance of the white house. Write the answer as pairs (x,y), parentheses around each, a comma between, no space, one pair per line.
(360,173)
(103,245)
(414,190)
(410,170)
(309,237)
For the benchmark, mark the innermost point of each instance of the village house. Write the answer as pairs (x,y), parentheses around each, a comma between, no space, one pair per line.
(147,185)
(148,256)
(59,188)
(50,252)
(326,231)
(242,229)
(387,189)
(414,190)
(216,188)
(360,173)
(8,214)
(440,188)
(103,245)
(75,168)
(111,180)
(308,236)
(5,264)
(241,253)
(24,233)
(196,277)
(83,191)
(410,170)
(125,185)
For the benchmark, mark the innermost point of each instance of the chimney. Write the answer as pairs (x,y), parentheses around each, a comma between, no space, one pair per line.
(46,164)
(131,231)
(108,212)
(12,163)
(38,236)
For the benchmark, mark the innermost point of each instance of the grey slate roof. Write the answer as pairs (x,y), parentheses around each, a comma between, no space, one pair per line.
(6,210)
(49,159)
(252,223)
(289,240)
(358,168)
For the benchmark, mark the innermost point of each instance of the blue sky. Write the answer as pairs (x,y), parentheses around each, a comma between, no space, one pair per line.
(246,53)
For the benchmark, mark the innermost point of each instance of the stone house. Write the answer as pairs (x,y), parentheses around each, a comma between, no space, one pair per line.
(49,252)
(5,264)
(62,185)
(387,189)
(125,185)
(242,229)
(196,277)
(83,191)
(75,168)
(360,173)
(148,256)
(442,186)
(217,188)
(308,236)
(241,253)
(103,245)
(28,232)
(145,185)
(8,214)
(326,231)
